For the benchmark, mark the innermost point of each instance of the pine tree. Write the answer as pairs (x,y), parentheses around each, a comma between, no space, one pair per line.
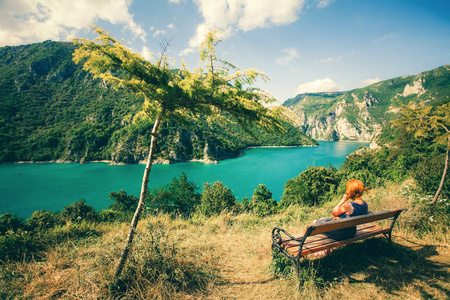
(179,96)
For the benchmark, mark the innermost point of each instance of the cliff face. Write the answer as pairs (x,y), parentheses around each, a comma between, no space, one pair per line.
(360,114)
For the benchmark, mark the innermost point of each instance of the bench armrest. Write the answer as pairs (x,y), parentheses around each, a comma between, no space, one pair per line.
(277,240)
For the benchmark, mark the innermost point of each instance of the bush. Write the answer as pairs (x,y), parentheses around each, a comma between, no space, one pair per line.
(215,198)
(10,222)
(18,245)
(244,206)
(156,260)
(311,187)
(180,197)
(262,203)
(123,202)
(41,220)
(77,212)
(428,175)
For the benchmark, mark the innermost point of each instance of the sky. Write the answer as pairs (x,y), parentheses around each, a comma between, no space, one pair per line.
(303,46)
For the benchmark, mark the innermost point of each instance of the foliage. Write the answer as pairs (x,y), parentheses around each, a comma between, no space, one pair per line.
(10,222)
(77,212)
(179,197)
(280,266)
(123,202)
(428,174)
(311,187)
(262,203)
(427,122)
(26,245)
(51,109)
(159,261)
(41,220)
(216,198)
(244,206)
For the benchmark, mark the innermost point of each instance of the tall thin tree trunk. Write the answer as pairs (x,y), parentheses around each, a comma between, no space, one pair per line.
(137,214)
(444,173)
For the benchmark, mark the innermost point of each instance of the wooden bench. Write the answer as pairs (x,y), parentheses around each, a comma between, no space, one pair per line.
(314,240)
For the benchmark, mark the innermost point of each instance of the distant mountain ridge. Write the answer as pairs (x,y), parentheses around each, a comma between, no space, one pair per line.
(360,114)
(52,110)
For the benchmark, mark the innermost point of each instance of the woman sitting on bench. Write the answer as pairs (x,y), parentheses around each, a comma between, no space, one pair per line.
(344,209)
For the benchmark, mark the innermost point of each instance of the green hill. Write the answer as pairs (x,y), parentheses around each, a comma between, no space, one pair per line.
(50,110)
(360,114)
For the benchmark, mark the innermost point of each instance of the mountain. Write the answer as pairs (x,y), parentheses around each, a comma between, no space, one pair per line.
(360,114)
(52,110)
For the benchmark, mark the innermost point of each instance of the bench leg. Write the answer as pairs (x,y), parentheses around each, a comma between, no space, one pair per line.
(296,263)
(389,234)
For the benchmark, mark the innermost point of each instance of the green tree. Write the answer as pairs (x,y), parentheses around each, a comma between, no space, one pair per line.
(179,197)
(78,211)
(177,96)
(10,222)
(425,122)
(262,202)
(310,187)
(123,202)
(41,220)
(216,198)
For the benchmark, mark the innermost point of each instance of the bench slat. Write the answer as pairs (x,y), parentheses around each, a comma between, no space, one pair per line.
(322,242)
(312,238)
(345,242)
(353,221)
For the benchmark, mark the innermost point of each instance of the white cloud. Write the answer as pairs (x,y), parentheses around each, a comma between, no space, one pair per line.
(318,86)
(171,26)
(323,3)
(146,53)
(159,32)
(290,54)
(25,21)
(231,15)
(371,81)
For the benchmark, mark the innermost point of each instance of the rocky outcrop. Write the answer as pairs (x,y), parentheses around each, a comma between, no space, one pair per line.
(415,88)
(338,124)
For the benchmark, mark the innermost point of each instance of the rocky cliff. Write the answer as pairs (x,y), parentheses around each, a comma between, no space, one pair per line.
(360,114)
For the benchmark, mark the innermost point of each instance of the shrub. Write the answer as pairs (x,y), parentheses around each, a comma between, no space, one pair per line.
(262,203)
(179,197)
(244,206)
(311,187)
(123,202)
(10,222)
(41,220)
(428,175)
(77,212)
(215,198)
(18,245)
(156,261)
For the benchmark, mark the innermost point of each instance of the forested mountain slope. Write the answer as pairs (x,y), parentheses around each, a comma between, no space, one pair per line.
(360,114)
(50,109)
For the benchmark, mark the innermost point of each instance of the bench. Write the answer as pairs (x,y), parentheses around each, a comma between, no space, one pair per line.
(314,240)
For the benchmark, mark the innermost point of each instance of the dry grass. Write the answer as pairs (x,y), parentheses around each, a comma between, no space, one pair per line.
(228,257)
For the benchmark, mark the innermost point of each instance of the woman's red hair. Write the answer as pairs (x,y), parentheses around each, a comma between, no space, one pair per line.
(355,188)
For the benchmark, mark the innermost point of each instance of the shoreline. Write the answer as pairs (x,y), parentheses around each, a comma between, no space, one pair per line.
(156,161)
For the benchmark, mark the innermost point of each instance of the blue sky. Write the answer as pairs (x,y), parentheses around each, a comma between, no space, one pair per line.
(302,45)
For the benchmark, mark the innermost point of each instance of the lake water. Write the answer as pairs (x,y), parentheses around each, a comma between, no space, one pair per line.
(25,188)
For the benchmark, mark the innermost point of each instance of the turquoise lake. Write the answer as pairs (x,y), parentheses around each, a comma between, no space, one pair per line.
(25,188)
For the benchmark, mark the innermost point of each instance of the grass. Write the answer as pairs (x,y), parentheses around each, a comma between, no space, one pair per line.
(229,257)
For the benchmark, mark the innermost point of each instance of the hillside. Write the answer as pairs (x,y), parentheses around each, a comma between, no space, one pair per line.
(52,110)
(229,257)
(360,114)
